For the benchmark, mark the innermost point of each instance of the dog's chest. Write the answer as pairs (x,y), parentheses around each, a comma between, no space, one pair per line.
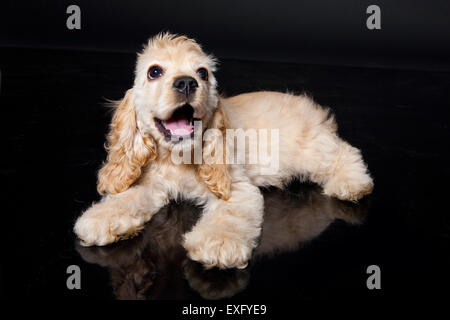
(178,180)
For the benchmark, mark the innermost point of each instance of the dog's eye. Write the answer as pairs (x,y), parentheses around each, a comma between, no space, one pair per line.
(203,73)
(154,72)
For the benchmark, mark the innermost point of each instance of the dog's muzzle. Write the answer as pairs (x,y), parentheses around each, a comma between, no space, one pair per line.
(179,126)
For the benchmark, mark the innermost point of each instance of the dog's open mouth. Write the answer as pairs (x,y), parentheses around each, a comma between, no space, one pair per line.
(180,125)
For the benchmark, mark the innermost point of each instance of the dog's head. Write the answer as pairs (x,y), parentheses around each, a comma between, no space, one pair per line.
(174,92)
(174,86)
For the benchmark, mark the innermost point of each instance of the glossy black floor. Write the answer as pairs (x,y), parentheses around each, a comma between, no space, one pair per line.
(53,128)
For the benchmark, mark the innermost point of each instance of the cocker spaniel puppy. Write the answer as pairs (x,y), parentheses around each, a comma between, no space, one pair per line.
(173,137)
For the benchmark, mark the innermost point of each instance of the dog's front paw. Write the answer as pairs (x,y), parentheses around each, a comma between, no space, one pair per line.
(101,226)
(218,247)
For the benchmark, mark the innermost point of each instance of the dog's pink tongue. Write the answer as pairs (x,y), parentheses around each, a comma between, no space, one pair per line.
(179,127)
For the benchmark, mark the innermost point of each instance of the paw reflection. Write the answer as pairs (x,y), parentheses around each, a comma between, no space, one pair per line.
(213,284)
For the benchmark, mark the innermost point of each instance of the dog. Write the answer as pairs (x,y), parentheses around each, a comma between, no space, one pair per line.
(173,108)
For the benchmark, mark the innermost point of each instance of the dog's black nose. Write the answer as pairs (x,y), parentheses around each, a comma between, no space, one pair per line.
(186,85)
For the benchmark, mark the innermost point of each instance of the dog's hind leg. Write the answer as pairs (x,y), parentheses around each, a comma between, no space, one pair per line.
(119,216)
(336,166)
(349,178)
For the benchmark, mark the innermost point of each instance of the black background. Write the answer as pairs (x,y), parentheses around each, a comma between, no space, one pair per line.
(322,31)
(389,89)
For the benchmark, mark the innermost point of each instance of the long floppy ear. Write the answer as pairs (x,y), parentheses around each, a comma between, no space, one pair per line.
(128,150)
(216,175)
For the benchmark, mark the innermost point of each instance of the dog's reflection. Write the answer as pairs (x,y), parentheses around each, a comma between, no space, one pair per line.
(154,265)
